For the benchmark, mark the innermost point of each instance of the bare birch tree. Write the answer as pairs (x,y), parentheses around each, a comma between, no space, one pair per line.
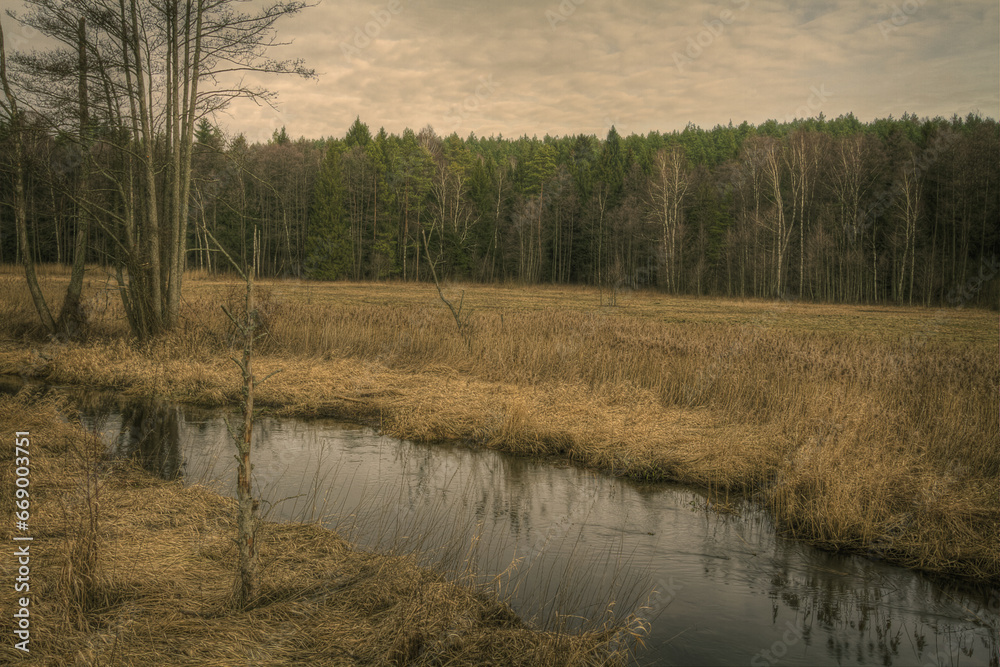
(908,206)
(668,186)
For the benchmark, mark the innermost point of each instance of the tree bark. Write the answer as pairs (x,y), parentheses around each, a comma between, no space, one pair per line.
(20,203)
(72,317)
(246,519)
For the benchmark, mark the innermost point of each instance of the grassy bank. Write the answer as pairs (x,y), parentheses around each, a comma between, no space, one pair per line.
(127,569)
(868,429)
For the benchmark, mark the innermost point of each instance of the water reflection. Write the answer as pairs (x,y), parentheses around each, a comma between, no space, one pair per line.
(726,589)
(147,431)
(150,435)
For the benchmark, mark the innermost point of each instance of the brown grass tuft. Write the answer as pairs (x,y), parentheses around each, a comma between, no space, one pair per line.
(870,431)
(152,583)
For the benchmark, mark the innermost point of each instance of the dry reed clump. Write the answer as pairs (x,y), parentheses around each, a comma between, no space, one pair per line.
(840,420)
(155,587)
(49,440)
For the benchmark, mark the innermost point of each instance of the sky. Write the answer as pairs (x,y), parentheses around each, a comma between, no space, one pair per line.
(518,67)
(534,68)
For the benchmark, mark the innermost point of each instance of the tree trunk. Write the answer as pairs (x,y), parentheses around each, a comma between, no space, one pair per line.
(20,204)
(150,315)
(71,317)
(246,518)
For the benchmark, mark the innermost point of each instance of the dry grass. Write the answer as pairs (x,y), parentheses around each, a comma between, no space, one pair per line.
(869,429)
(157,587)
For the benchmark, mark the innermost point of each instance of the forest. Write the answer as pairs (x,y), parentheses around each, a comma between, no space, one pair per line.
(110,156)
(895,210)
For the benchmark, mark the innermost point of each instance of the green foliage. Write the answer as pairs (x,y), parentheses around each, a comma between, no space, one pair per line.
(280,137)
(328,246)
(207,134)
(580,208)
(358,135)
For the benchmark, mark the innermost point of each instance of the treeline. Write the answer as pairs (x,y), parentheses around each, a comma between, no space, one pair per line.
(98,133)
(895,210)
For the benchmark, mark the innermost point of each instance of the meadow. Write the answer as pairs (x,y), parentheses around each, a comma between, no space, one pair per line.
(129,569)
(869,429)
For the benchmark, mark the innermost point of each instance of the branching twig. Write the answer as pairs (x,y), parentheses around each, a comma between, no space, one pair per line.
(246,589)
(463,328)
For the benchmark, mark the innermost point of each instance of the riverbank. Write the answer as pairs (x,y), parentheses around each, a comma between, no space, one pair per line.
(129,569)
(870,430)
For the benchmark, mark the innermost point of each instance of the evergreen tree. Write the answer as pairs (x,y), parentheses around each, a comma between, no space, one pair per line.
(383,249)
(328,246)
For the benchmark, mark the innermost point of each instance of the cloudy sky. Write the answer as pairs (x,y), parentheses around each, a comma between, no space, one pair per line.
(521,67)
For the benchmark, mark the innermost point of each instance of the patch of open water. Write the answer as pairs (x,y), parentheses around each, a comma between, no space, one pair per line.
(717,589)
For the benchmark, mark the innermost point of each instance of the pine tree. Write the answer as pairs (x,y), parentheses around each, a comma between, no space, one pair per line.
(328,246)
(383,248)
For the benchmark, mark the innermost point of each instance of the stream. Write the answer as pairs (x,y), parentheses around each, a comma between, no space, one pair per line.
(561,542)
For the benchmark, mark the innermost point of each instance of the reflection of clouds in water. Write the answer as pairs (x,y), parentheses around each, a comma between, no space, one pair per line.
(738,591)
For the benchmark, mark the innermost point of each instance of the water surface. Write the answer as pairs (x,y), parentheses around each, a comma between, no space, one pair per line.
(716,589)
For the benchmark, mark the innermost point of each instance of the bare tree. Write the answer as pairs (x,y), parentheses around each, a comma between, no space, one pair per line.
(667,187)
(908,207)
(71,315)
(10,108)
(778,223)
(852,176)
(149,60)
(462,323)
(802,159)
(247,505)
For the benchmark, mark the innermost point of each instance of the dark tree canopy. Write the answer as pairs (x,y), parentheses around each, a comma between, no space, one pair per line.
(895,210)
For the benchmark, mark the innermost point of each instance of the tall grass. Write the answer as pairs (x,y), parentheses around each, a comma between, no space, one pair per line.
(159,566)
(868,431)
(442,532)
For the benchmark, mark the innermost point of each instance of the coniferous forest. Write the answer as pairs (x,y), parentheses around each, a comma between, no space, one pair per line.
(896,210)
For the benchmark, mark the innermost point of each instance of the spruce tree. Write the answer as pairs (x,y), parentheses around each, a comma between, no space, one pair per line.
(328,246)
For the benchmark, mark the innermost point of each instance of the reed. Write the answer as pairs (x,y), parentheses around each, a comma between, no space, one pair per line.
(157,586)
(872,430)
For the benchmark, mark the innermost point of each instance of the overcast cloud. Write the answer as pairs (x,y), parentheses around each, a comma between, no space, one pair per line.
(522,67)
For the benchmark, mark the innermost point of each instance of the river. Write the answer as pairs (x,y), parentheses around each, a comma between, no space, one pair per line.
(561,541)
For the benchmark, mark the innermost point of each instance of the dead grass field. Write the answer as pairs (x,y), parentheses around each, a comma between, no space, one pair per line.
(871,429)
(150,580)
